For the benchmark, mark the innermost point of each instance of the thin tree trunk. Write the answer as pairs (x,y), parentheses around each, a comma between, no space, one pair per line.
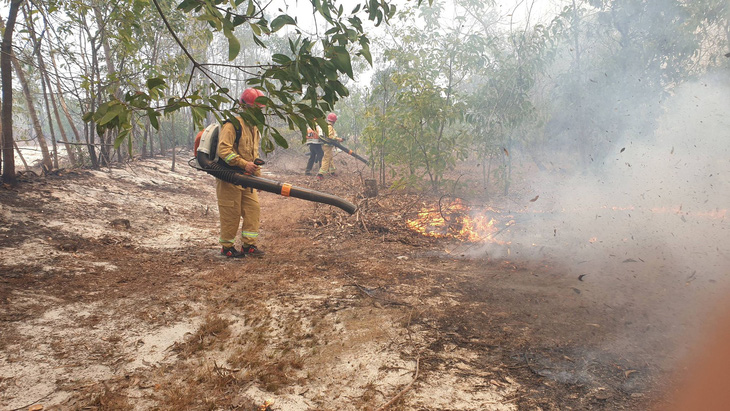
(50,122)
(114,84)
(91,129)
(144,140)
(148,135)
(172,127)
(162,146)
(20,155)
(47,163)
(62,101)
(69,148)
(44,90)
(6,77)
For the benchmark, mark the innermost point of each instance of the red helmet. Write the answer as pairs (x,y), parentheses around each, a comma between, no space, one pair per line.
(248,97)
(332,118)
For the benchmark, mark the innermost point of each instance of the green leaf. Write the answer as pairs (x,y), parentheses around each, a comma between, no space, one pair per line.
(120,138)
(341,60)
(256,29)
(281,21)
(365,50)
(258,41)
(266,145)
(187,5)
(199,114)
(112,113)
(280,140)
(155,82)
(234,46)
(280,59)
(152,115)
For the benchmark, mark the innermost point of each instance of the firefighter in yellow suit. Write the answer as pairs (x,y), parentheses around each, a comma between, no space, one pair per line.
(236,202)
(327,166)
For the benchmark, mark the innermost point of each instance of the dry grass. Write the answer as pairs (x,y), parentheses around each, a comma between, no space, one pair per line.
(184,397)
(213,330)
(109,400)
(273,368)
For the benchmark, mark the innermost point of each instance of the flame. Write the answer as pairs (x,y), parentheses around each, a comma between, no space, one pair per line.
(459,222)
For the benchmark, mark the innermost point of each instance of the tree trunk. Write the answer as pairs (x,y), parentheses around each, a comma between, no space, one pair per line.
(162,145)
(110,136)
(42,72)
(20,155)
(62,102)
(144,139)
(172,127)
(90,127)
(50,121)
(47,163)
(69,149)
(6,77)
(151,139)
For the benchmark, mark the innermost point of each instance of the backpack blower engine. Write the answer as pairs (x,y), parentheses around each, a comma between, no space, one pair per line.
(206,159)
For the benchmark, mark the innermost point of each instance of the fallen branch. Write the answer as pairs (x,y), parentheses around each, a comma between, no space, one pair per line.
(403,391)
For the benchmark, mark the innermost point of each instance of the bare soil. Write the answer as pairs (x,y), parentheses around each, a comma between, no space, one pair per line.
(113,297)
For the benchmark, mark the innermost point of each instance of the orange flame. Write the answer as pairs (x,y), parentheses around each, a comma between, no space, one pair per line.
(459,222)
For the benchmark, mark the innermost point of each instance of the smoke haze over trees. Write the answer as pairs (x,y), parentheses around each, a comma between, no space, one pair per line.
(450,81)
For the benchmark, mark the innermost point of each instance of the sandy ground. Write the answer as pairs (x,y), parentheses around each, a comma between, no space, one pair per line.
(113,296)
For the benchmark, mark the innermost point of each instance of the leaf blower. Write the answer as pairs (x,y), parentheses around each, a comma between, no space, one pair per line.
(345,149)
(206,159)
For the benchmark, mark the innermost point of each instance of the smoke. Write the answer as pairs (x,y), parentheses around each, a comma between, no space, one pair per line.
(656,198)
(647,233)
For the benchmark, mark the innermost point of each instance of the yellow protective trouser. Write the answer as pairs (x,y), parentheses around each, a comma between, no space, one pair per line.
(327,166)
(235,202)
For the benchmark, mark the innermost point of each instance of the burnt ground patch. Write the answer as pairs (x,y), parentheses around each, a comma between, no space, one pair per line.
(541,333)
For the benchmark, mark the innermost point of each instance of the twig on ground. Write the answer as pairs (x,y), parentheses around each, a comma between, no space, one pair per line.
(361,218)
(25,407)
(403,391)
(371,293)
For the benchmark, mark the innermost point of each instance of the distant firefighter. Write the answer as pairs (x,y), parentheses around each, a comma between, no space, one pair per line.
(327,167)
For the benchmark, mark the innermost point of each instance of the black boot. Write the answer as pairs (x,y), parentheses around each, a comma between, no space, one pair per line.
(231,252)
(252,251)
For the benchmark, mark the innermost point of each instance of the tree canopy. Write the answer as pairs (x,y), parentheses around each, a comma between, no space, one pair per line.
(449,83)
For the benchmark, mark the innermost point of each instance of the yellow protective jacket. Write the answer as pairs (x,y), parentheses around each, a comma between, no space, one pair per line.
(248,146)
(331,133)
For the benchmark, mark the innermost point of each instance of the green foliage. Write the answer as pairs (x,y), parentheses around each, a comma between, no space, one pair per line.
(300,85)
(421,130)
